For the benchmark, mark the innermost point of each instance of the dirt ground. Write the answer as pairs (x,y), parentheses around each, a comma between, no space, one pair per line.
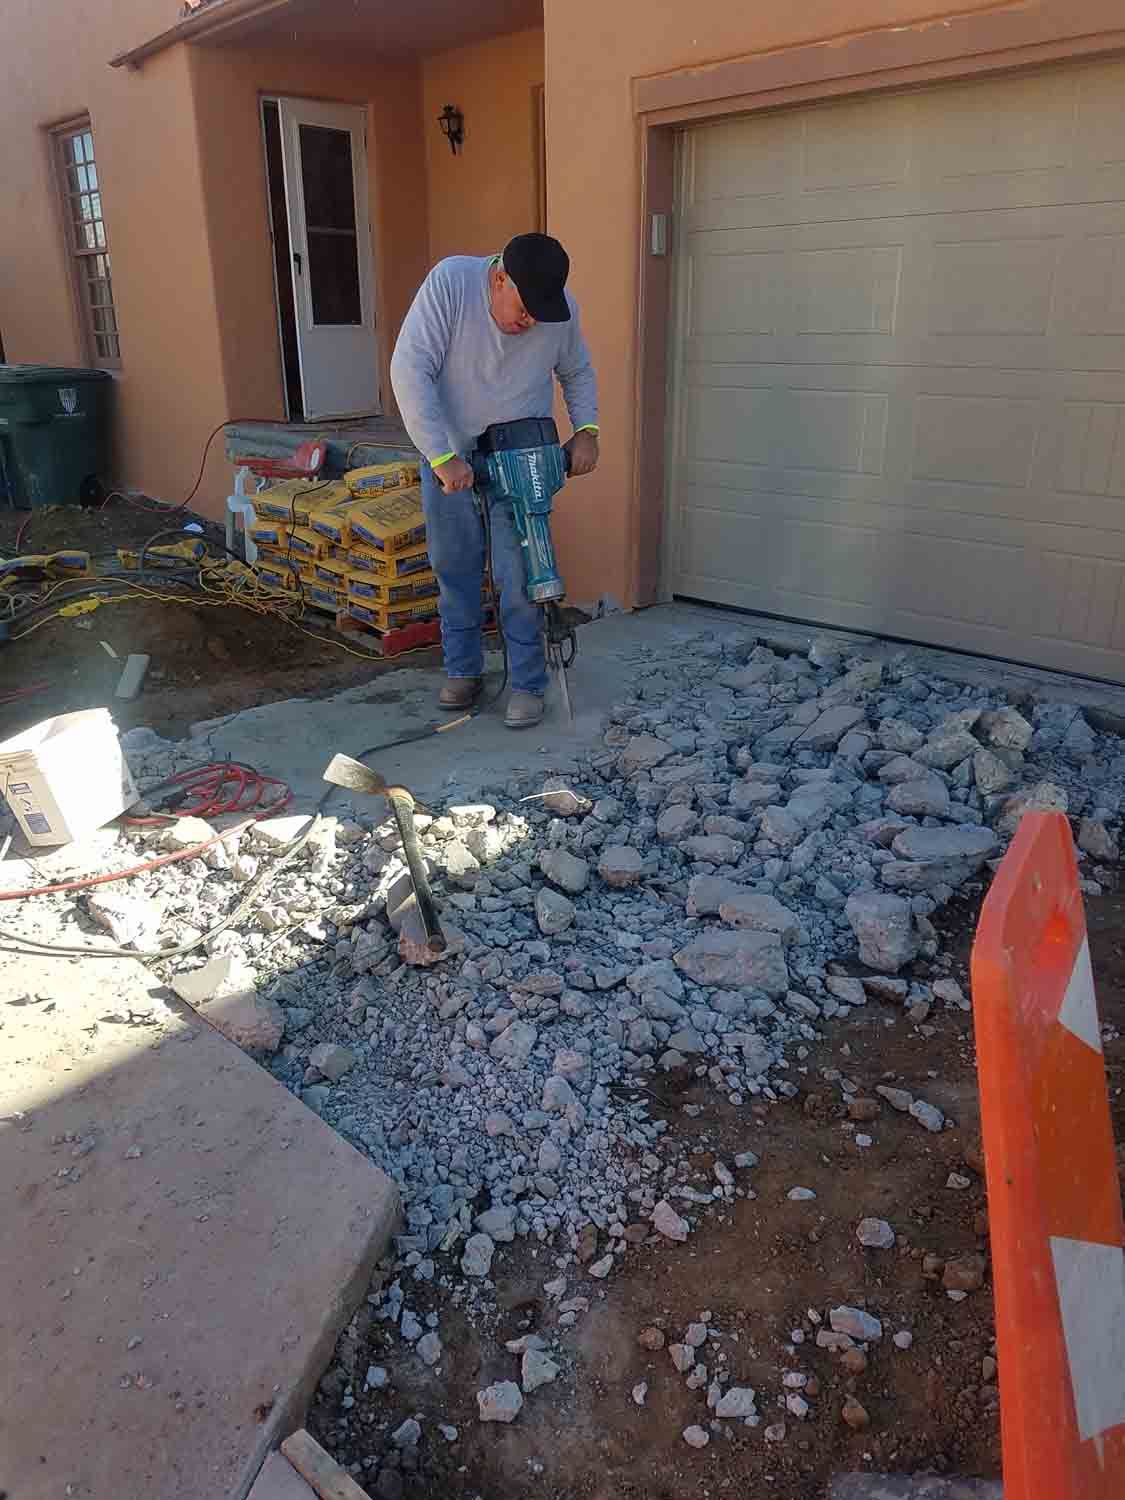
(206,661)
(758,1266)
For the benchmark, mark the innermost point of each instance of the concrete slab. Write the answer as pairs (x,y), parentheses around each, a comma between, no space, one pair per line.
(181,1242)
(279,1480)
(295,739)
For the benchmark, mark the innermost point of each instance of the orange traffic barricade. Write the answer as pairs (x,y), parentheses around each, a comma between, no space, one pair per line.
(1053,1195)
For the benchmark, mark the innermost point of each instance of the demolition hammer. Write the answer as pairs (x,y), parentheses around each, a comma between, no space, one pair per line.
(522,464)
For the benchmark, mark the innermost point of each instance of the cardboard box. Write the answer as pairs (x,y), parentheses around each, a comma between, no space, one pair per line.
(66,776)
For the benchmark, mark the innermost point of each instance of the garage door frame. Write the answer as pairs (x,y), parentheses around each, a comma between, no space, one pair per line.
(965,47)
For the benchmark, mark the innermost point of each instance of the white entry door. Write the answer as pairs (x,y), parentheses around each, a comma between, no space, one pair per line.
(324,152)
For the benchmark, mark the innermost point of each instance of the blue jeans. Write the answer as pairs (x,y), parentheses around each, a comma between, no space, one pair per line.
(455,534)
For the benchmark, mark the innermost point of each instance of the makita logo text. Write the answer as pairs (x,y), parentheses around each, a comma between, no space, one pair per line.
(536,481)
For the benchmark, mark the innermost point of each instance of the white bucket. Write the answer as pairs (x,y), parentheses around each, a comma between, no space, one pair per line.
(66,776)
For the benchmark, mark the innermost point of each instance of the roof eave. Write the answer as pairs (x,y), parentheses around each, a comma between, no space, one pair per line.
(205,21)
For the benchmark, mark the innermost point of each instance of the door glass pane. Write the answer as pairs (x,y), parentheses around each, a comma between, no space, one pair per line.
(334,272)
(333,269)
(326,175)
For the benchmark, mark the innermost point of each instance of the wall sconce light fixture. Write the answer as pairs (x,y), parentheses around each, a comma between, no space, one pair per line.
(452,123)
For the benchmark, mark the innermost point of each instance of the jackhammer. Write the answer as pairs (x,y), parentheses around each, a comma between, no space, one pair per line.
(522,464)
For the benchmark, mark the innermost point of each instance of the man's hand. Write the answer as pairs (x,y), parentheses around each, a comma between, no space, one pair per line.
(454,474)
(583,451)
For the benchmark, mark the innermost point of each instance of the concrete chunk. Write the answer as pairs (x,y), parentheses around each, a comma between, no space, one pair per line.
(827,731)
(760,912)
(884,926)
(706,894)
(501,1402)
(737,960)
(224,993)
(621,867)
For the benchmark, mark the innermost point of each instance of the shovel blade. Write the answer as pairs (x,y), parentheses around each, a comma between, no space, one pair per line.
(343,771)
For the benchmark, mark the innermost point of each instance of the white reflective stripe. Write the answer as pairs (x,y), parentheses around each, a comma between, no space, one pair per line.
(1079,1013)
(1091,1285)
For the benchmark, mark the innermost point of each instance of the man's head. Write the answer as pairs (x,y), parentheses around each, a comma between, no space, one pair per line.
(527,287)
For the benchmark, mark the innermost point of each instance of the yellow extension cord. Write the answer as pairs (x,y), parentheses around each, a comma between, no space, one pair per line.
(226,582)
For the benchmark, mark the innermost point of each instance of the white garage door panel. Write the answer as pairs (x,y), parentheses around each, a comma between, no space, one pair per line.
(899,366)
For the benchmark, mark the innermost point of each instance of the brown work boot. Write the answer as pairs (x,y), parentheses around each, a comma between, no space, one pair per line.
(460,692)
(524,710)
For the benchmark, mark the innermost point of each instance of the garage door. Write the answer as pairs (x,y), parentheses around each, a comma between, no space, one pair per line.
(899,366)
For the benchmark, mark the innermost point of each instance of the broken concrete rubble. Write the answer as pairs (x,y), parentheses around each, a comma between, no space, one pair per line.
(691,893)
(743,959)
(225,994)
(884,927)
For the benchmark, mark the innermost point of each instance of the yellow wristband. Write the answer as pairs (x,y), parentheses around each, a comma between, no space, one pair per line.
(589,427)
(436,463)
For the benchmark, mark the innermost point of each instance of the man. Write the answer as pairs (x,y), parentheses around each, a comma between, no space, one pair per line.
(480,344)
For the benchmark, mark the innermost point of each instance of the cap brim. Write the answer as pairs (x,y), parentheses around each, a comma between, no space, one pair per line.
(550,310)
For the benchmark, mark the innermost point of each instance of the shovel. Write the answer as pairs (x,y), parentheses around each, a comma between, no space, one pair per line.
(343,771)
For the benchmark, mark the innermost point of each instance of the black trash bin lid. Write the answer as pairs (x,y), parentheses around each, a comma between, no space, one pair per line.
(48,375)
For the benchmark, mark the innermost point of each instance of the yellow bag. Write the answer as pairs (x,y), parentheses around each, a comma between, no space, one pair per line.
(402,565)
(390,616)
(377,479)
(369,588)
(295,501)
(389,523)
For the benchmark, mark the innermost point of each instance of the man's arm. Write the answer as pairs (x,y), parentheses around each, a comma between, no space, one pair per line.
(575,371)
(415,367)
(576,376)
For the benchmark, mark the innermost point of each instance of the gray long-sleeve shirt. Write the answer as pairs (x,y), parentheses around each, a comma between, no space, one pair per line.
(454,373)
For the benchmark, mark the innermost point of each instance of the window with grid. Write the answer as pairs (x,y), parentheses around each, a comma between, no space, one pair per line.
(86,234)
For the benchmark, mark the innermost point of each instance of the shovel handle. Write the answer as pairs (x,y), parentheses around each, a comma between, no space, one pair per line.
(402,804)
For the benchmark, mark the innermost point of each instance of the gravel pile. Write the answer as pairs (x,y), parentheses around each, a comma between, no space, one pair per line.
(758,845)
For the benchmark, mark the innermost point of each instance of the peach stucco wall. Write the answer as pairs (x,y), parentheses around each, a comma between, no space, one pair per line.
(179,153)
(180,156)
(487,193)
(144,128)
(594,51)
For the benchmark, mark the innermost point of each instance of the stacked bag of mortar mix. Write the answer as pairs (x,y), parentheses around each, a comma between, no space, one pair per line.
(353,547)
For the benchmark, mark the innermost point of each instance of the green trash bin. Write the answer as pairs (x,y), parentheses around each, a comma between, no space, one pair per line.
(54,427)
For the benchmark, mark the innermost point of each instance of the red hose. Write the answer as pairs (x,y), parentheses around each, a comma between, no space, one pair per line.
(224,786)
(150,864)
(23,692)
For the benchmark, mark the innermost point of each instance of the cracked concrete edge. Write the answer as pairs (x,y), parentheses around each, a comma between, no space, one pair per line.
(290,1407)
(787,636)
(912,1487)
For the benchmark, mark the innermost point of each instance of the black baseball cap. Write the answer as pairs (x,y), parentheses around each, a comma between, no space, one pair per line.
(539,267)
